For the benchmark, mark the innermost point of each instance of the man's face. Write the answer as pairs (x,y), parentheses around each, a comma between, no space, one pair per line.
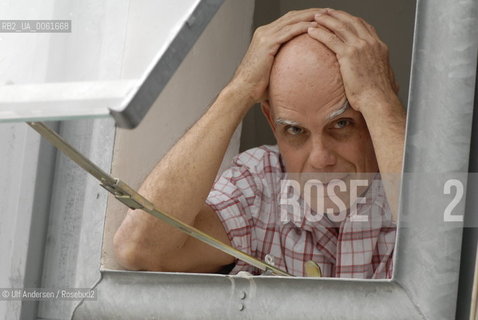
(319,136)
(316,134)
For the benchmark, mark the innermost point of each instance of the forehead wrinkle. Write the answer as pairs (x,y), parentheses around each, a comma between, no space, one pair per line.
(339,111)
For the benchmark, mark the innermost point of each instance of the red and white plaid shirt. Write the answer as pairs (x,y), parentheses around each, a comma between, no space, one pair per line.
(246,198)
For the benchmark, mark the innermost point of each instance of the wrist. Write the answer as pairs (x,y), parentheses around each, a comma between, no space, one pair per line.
(380,105)
(385,115)
(238,93)
(234,101)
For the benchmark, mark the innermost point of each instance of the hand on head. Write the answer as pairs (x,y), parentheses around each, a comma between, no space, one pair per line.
(253,73)
(363,57)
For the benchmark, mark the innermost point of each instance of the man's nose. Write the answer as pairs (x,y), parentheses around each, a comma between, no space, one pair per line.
(321,155)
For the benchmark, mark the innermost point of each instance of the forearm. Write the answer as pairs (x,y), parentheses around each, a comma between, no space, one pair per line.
(386,123)
(181,181)
(386,120)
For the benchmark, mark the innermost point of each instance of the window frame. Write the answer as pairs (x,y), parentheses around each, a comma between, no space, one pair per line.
(416,291)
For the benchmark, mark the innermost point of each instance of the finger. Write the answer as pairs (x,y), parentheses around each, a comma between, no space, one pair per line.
(294,17)
(358,24)
(298,15)
(370,28)
(291,31)
(329,39)
(343,29)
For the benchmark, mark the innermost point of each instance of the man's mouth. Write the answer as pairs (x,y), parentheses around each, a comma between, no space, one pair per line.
(334,180)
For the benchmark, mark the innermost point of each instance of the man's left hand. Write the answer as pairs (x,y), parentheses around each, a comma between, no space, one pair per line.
(363,57)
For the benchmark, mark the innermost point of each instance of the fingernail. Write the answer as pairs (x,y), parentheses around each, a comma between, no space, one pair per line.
(318,15)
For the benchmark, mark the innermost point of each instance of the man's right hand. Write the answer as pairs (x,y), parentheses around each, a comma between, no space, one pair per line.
(252,75)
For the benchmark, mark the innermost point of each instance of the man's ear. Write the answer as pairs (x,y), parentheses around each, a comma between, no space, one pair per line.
(266,110)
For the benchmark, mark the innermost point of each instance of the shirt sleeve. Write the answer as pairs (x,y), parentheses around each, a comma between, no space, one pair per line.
(232,198)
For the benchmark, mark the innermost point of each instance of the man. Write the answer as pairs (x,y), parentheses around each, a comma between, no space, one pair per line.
(328,92)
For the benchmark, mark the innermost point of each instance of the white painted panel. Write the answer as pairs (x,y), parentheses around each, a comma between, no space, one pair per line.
(109,41)
(152,25)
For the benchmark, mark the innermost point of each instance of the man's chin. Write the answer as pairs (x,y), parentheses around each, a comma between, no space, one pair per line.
(330,203)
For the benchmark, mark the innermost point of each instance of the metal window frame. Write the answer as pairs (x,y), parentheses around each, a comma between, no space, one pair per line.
(132,111)
(442,84)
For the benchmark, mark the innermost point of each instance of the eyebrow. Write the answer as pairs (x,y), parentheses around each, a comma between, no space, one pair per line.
(332,115)
(285,122)
(339,111)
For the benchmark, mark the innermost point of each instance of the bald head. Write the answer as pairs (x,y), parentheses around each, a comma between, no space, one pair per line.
(304,68)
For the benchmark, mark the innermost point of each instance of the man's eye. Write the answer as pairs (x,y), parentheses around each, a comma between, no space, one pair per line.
(294,130)
(342,123)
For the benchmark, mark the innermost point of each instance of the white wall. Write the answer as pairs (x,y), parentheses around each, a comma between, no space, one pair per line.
(205,71)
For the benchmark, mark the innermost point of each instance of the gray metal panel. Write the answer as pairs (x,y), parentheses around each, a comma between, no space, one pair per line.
(131,114)
(438,141)
(135,295)
(427,262)
(73,249)
(26,174)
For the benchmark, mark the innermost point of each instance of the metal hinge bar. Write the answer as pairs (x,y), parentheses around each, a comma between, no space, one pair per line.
(134,200)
